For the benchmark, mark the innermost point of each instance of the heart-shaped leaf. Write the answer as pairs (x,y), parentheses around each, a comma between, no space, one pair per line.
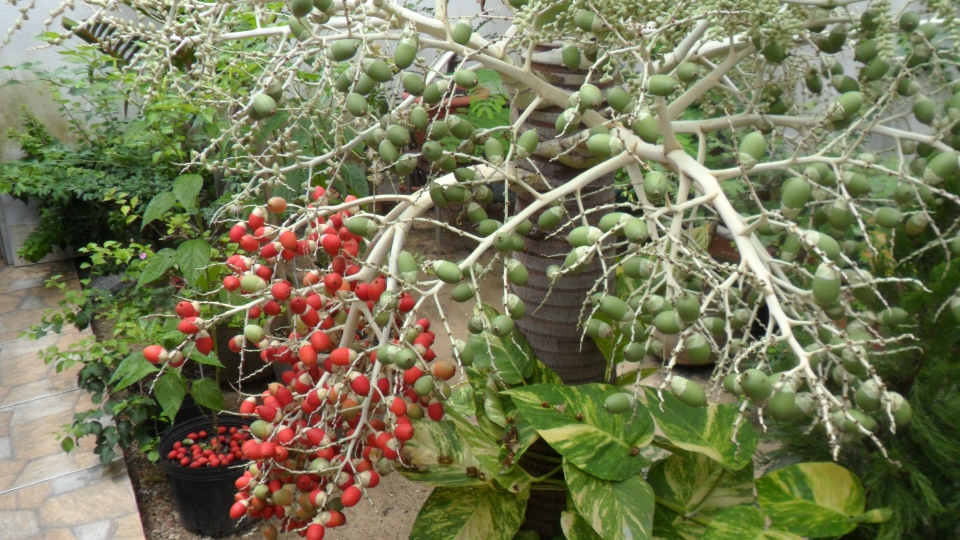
(812,499)
(469,513)
(692,483)
(572,420)
(743,523)
(704,430)
(435,456)
(614,510)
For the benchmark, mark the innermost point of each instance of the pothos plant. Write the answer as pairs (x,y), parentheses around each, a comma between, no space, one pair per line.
(837,164)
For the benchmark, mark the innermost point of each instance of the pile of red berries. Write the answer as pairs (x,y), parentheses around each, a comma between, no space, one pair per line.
(202,449)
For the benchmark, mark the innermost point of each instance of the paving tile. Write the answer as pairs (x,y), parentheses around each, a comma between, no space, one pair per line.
(58,534)
(22,319)
(18,524)
(97,530)
(6,448)
(108,499)
(5,416)
(129,527)
(31,497)
(65,381)
(21,284)
(31,302)
(31,411)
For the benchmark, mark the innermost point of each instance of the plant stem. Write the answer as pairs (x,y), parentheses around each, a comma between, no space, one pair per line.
(546,477)
(680,511)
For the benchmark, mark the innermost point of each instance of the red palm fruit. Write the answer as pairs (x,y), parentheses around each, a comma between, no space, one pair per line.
(351,496)
(390,449)
(249,406)
(343,356)
(254,312)
(204,342)
(435,410)
(443,370)
(315,532)
(398,406)
(377,287)
(321,342)
(190,325)
(307,354)
(231,283)
(249,244)
(236,263)
(284,396)
(344,234)
(332,282)
(286,435)
(318,192)
(403,432)
(256,218)
(361,385)
(337,220)
(287,377)
(280,453)
(428,355)
(338,265)
(235,344)
(335,519)
(310,317)
(238,510)
(315,437)
(351,248)
(243,482)
(411,375)
(288,254)
(298,304)
(288,239)
(383,384)
(314,300)
(331,244)
(268,449)
(263,271)
(280,290)
(277,205)
(267,412)
(187,309)
(311,278)
(269,251)
(237,232)
(303,247)
(362,291)
(406,303)
(303,383)
(251,450)
(369,479)
(155,354)
(272,308)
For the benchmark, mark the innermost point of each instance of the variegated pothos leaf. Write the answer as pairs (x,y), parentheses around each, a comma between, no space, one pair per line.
(743,523)
(615,510)
(693,483)
(572,420)
(436,456)
(469,513)
(812,499)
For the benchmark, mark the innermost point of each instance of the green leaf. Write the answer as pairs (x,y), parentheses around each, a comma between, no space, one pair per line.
(668,525)
(207,360)
(436,456)
(187,187)
(705,430)
(493,407)
(356,180)
(131,369)
(67,444)
(693,483)
(156,266)
(743,523)
(487,451)
(877,515)
(577,528)
(192,257)
(207,394)
(158,205)
(461,400)
(170,390)
(615,510)
(469,513)
(603,444)
(812,499)
(512,355)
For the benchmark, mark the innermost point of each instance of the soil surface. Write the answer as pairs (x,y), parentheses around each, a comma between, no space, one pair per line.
(393,505)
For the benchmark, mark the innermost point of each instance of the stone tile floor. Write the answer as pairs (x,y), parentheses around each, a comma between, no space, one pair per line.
(46,494)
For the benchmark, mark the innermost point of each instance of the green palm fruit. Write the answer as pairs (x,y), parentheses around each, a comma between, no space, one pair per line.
(752,148)
(570,54)
(447,272)
(655,186)
(688,391)
(413,84)
(668,322)
(646,127)
(868,396)
(263,106)
(756,385)
(461,33)
(619,99)
(343,49)
(406,52)
(661,85)
(619,403)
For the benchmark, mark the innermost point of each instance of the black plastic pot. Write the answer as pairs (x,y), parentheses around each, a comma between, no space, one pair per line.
(203,496)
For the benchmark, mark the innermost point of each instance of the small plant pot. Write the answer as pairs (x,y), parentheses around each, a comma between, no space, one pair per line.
(203,496)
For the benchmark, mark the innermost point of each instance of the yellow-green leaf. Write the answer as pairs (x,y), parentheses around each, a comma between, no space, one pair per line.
(669,525)
(576,528)
(469,513)
(812,499)
(693,483)
(615,510)
(436,456)
(572,420)
(743,523)
(512,357)
(705,430)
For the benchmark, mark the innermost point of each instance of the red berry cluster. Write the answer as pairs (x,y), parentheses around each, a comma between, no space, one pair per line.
(201,449)
(361,369)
